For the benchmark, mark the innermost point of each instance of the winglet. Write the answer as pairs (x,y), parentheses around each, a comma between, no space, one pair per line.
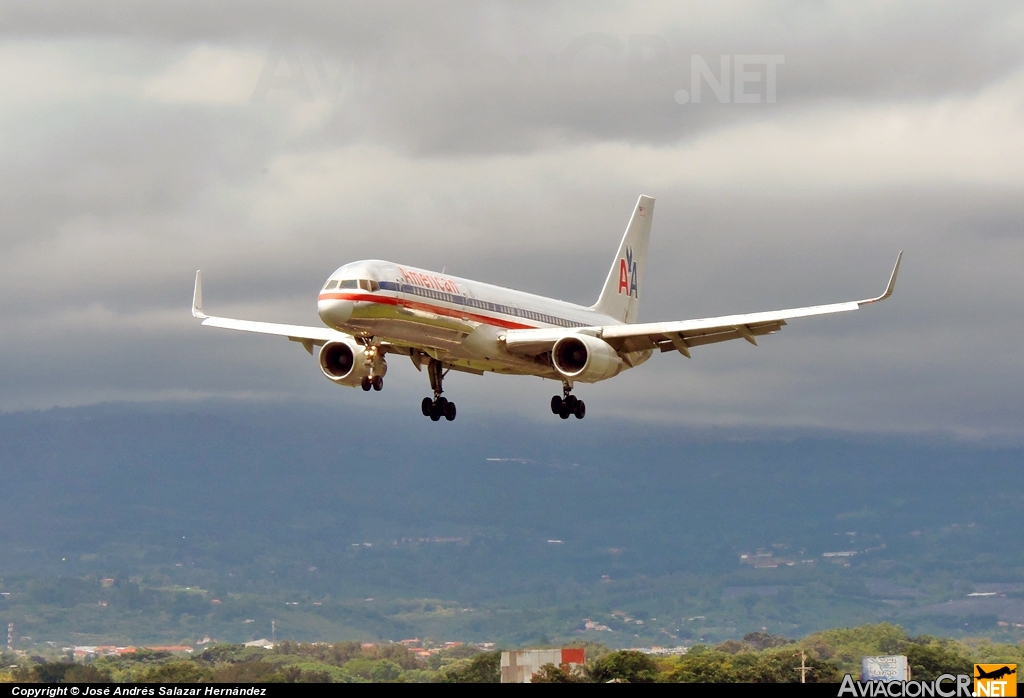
(197,298)
(892,283)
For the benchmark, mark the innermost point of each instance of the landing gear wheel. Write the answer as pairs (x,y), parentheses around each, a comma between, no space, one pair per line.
(366,383)
(438,406)
(568,404)
(377,382)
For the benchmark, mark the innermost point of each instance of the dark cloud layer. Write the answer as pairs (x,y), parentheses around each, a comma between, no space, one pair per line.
(269,143)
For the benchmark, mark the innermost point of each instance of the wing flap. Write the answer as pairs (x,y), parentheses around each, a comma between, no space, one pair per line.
(670,341)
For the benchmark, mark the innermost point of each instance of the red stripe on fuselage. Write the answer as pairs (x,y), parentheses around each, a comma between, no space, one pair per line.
(418,305)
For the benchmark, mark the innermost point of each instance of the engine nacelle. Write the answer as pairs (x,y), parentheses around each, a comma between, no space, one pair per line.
(346,363)
(585,358)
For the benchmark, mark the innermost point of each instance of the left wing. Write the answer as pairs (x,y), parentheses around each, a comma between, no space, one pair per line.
(307,336)
(681,336)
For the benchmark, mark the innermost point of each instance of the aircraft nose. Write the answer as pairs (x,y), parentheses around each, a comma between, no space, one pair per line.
(335,312)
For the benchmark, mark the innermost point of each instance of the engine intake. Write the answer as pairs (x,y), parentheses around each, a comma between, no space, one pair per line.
(337,360)
(345,363)
(585,358)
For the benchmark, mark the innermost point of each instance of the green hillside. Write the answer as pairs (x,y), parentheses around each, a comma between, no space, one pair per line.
(214,520)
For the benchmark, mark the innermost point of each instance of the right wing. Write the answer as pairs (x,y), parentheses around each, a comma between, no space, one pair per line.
(307,336)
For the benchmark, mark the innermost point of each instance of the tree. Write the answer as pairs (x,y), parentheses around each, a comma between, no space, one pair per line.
(761,640)
(782,666)
(483,668)
(313,677)
(360,666)
(550,673)
(848,645)
(288,674)
(47,672)
(930,658)
(625,665)
(86,673)
(732,647)
(702,665)
(779,666)
(385,670)
(174,672)
(247,672)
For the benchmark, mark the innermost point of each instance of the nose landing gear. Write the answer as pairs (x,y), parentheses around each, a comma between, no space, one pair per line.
(377,367)
(439,406)
(568,404)
(377,383)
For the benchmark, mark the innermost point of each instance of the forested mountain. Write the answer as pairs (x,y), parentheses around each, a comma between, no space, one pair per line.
(512,529)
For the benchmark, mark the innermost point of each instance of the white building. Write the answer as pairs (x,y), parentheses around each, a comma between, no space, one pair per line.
(520,666)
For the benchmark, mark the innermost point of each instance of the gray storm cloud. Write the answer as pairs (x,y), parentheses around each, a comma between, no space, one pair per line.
(270,143)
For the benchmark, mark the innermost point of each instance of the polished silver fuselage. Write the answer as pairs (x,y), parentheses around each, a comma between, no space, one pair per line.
(458,321)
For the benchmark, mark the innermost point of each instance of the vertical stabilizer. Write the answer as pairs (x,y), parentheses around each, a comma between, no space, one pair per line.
(620,297)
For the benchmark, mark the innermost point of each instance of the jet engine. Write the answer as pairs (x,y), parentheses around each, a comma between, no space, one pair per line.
(585,358)
(345,363)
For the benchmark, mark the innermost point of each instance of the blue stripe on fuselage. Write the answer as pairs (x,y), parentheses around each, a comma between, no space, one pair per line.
(478,304)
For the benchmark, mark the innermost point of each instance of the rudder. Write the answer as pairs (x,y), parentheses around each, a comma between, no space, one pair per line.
(620,297)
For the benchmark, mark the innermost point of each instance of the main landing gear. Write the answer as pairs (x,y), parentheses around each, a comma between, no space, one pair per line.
(568,404)
(439,406)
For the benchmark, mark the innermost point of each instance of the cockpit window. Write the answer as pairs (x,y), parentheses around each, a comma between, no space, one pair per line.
(363,284)
(331,284)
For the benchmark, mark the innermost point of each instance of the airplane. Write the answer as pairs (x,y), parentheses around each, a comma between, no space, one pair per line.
(994,674)
(373,308)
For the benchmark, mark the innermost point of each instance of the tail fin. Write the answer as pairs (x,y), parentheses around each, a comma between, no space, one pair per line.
(620,297)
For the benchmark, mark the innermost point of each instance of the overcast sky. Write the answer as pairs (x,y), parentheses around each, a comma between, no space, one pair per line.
(269,143)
